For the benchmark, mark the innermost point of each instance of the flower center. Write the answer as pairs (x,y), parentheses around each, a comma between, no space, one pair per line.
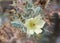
(32,25)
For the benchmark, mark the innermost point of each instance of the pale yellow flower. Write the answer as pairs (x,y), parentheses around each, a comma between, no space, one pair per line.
(34,25)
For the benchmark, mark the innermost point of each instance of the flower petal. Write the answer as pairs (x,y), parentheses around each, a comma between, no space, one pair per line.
(39,21)
(42,22)
(38,30)
(30,32)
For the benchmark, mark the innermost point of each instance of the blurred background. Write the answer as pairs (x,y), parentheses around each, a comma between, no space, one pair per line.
(13,14)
